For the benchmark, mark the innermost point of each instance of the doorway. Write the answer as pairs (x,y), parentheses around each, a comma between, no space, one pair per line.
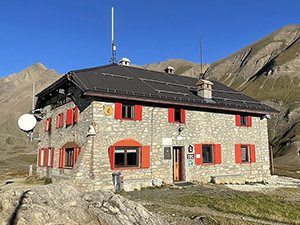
(178,164)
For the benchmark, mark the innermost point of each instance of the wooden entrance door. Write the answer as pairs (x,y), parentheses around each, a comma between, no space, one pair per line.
(178,163)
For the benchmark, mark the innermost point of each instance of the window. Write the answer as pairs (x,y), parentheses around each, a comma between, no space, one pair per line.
(128,112)
(127,157)
(243,121)
(60,120)
(48,124)
(68,157)
(176,115)
(129,154)
(244,153)
(46,156)
(208,154)
(72,116)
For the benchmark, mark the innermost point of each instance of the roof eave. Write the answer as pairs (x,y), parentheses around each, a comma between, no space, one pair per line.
(201,106)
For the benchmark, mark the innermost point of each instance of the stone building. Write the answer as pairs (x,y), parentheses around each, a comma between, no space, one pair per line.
(152,127)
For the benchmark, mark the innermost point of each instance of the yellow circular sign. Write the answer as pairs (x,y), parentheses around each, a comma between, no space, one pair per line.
(108,110)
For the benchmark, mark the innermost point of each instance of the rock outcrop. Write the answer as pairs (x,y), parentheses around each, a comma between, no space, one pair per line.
(64,203)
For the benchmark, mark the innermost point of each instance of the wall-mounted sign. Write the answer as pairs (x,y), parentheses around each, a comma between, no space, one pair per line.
(167,152)
(190,156)
(190,148)
(108,110)
(167,141)
(190,163)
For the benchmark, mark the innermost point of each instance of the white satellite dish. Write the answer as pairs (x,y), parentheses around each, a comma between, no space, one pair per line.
(27,122)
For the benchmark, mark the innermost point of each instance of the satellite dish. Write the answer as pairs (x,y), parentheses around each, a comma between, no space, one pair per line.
(27,122)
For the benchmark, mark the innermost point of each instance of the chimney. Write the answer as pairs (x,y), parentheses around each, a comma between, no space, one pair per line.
(124,61)
(204,89)
(169,70)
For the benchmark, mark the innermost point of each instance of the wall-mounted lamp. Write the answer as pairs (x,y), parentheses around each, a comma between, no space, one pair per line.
(180,129)
(91,131)
(265,117)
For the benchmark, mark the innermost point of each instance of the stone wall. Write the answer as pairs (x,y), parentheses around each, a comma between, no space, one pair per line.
(93,167)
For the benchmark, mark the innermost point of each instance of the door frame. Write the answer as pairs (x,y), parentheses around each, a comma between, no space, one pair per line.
(181,163)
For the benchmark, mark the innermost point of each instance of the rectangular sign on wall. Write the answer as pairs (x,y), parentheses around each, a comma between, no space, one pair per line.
(167,153)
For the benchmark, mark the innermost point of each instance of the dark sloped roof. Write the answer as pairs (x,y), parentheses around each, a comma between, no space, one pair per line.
(116,81)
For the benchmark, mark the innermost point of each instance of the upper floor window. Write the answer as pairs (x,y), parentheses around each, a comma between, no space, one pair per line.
(176,115)
(207,154)
(68,156)
(72,116)
(128,112)
(243,121)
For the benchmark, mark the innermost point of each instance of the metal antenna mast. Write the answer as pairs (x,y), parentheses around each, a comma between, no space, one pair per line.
(114,48)
(201,71)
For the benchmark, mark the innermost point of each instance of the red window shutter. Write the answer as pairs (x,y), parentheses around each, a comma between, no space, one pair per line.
(145,157)
(59,158)
(238,158)
(52,157)
(61,120)
(76,114)
(118,111)
(63,158)
(198,154)
(249,118)
(58,121)
(182,115)
(238,120)
(171,115)
(40,157)
(217,154)
(69,117)
(252,153)
(46,125)
(138,112)
(112,156)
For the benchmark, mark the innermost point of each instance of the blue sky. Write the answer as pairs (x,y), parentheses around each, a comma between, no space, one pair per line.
(71,34)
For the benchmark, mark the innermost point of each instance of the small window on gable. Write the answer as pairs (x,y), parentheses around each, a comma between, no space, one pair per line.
(243,121)
(48,124)
(207,154)
(60,120)
(72,116)
(127,111)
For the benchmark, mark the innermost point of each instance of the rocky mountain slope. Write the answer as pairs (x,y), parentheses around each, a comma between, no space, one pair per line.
(268,70)
(15,99)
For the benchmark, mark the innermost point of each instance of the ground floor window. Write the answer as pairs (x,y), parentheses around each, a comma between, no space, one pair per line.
(207,154)
(68,156)
(129,154)
(245,153)
(127,157)
(46,156)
